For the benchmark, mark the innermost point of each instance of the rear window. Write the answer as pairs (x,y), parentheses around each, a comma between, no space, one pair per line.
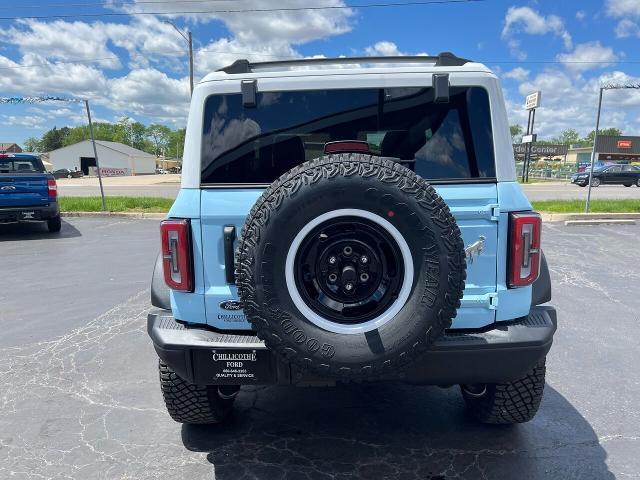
(21,165)
(439,141)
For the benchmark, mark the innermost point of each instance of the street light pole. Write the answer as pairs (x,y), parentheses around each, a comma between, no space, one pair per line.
(593,152)
(189,39)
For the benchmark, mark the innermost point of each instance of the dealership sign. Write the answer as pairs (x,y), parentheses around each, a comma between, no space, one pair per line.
(532,101)
(625,144)
(541,150)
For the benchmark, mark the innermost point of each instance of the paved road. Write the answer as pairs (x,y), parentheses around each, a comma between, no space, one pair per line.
(538,191)
(79,396)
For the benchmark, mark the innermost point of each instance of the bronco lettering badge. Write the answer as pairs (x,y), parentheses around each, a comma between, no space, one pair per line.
(231,305)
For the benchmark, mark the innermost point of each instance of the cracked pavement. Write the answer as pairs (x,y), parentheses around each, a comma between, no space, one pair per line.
(79,395)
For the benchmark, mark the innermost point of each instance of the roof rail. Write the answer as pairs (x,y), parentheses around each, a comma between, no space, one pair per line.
(444,59)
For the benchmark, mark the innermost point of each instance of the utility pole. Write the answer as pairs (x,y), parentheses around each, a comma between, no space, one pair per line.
(189,39)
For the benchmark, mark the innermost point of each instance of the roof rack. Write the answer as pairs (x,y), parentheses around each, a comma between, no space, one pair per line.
(444,59)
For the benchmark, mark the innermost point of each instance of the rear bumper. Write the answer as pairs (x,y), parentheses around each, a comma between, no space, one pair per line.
(505,352)
(39,213)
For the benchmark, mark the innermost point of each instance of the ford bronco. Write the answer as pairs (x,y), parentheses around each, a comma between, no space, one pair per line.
(351,220)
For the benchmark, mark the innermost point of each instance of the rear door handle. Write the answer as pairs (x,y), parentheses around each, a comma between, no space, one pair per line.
(229,236)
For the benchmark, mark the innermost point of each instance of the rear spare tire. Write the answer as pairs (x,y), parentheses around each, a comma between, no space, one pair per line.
(350,266)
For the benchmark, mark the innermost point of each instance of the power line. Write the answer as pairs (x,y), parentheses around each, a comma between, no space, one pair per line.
(246,10)
(111,4)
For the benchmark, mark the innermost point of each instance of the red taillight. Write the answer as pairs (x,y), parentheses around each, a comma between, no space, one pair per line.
(347,146)
(524,244)
(52,187)
(176,254)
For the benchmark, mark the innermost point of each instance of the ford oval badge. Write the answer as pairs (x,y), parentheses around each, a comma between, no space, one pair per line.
(231,305)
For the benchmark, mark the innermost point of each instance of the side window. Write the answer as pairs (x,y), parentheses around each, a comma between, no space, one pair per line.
(615,169)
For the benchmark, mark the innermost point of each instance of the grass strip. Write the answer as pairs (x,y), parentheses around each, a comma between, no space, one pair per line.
(626,205)
(116,204)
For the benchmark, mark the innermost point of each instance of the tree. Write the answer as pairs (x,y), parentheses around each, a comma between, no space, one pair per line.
(176,142)
(569,136)
(588,140)
(32,144)
(159,136)
(138,132)
(54,139)
(516,131)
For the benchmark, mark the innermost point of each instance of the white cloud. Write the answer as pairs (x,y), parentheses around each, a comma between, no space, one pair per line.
(225,51)
(25,121)
(62,41)
(620,8)
(527,20)
(585,53)
(627,28)
(581,15)
(517,73)
(570,101)
(151,93)
(35,75)
(387,49)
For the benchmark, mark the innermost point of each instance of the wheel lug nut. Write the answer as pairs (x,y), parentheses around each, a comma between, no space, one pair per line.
(364,259)
(333,277)
(332,260)
(364,277)
(347,250)
(348,286)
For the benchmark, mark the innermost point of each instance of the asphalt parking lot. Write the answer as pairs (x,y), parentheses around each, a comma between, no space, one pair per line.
(79,395)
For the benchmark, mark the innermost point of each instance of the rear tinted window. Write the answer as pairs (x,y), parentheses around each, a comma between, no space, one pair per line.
(20,165)
(437,140)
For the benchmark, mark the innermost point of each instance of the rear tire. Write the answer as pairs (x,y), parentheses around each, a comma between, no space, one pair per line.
(628,184)
(54,224)
(194,404)
(507,403)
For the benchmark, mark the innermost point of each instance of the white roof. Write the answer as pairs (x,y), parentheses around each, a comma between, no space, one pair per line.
(118,147)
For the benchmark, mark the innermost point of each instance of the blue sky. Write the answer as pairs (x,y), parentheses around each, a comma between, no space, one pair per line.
(136,66)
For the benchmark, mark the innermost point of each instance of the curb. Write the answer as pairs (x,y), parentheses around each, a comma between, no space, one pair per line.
(563,217)
(605,221)
(153,216)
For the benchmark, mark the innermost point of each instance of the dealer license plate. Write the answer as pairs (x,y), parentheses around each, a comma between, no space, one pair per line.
(233,366)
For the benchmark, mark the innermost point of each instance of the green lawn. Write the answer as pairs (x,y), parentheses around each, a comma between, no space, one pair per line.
(116,204)
(595,206)
(162,205)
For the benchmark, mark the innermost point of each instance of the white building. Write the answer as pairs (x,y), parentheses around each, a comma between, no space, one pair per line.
(115,159)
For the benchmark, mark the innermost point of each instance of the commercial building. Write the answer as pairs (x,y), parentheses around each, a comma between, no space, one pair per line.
(617,149)
(10,147)
(116,159)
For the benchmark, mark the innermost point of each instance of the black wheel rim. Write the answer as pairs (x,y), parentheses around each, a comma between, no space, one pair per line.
(349,270)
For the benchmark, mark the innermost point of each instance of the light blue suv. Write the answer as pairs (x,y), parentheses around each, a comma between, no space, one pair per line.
(351,219)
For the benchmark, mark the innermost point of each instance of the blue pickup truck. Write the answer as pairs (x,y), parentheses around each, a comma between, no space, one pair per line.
(28,193)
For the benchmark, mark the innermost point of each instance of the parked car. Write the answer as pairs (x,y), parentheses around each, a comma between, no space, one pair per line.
(67,173)
(626,175)
(326,222)
(27,192)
